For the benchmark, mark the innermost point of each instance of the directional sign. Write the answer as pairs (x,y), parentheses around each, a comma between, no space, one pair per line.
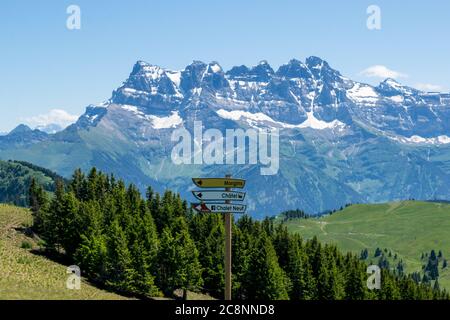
(219,195)
(219,208)
(218,183)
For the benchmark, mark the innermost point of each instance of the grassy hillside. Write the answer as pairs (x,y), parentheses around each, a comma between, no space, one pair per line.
(26,275)
(15,179)
(407,228)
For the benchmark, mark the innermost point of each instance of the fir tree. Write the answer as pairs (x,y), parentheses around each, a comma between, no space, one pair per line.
(299,271)
(213,257)
(178,265)
(355,285)
(364,254)
(378,252)
(265,279)
(432,267)
(120,270)
(38,205)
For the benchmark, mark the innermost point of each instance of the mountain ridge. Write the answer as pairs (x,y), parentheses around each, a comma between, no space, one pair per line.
(341,140)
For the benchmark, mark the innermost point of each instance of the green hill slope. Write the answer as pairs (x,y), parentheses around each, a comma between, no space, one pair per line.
(29,276)
(407,228)
(15,179)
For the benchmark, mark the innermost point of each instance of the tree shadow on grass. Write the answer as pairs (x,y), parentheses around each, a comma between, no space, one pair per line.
(61,258)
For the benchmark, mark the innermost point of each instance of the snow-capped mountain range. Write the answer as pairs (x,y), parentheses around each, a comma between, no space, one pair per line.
(298,95)
(341,140)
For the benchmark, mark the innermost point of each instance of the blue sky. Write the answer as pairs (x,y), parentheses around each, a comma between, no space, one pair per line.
(45,66)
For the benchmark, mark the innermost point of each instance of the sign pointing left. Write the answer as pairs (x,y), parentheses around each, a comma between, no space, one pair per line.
(219,207)
(219,195)
(201,207)
(218,183)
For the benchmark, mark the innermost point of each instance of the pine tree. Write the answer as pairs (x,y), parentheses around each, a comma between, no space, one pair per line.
(432,267)
(213,261)
(93,255)
(330,286)
(299,271)
(178,265)
(144,250)
(78,185)
(433,255)
(92,185)
(364,254)
(71,223)
(38,205)
(243,243)
(120,271)
(265,279)
(378,252)
(383,263)
(400,268)
(52,225)
(355,284)
(281,244)
(416,277)
(389,287)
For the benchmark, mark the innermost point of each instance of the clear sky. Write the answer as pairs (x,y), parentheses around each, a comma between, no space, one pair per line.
(44,66)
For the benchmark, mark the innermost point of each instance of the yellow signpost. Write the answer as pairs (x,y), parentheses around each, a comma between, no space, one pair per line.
(219,183)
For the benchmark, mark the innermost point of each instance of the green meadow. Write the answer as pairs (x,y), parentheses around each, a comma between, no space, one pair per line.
(407,228)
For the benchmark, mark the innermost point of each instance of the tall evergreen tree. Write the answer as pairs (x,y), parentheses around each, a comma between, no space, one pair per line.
(281,241)
(179,267)
(121,274)
(38,205)
(330,286)
(91,254)
(355,284)
(71,223)
(265,279)
(299,271)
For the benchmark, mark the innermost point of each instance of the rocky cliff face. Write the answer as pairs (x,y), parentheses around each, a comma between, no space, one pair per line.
(340,140)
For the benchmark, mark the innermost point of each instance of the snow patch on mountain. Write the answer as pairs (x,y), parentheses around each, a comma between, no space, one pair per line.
(166,122)
(314,123)
(133,109)
(215,67)
(152,72)
(174,76)
(415,139)
(104,104)
(311,122)
(158,122)
(237,115)
(363,93)
(397,99)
